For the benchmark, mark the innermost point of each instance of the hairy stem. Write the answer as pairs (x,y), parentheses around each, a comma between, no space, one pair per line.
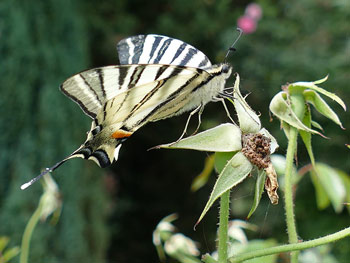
(292,247)
(223,227)
(288,191)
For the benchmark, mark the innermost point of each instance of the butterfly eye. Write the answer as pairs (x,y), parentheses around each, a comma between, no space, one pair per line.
(225,68)
(96,130)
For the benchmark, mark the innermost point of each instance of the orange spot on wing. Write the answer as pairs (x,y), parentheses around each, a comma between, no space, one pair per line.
(119,134)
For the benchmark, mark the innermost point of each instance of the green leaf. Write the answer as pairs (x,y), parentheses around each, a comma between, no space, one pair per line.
(322,199)
(259,189)
(316,125)
(321,106)
(346,181)
(235,171)
(3,242)
(221,159)
(249,121)
(223,138)
(282,109)
(332,184)
(316,82)
(9,254)
(286,128)
(292,89)
(306,136)
(200,180)
(312,85)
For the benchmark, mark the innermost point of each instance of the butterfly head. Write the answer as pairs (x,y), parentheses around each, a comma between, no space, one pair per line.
(220,70)
(226,68)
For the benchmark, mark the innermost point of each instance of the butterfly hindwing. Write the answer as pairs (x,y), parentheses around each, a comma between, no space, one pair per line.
(157,49)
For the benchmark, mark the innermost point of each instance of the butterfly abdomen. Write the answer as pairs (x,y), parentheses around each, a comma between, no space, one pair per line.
(210,87)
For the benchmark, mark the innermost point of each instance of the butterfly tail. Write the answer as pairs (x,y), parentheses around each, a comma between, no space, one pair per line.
(47,170)
(103,157)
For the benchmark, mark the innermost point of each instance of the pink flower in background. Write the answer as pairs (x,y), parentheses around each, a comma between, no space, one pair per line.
(254,11)
(247,24)
(249,21)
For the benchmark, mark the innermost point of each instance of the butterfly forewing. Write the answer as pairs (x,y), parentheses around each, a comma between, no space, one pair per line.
(157,49)
(91,89)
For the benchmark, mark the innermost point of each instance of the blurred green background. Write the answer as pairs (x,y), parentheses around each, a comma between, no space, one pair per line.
(109,214)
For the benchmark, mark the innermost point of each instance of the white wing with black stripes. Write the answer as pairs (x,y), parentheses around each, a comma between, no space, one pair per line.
(159,77)
(157,49)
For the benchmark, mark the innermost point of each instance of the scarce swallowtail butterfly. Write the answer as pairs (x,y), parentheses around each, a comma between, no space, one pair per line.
(158,77)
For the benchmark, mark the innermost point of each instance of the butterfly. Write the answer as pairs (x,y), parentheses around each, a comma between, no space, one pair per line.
(158,77)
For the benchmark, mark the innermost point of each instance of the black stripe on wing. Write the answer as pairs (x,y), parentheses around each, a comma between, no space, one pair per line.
(178,52)
(135,77)
(91,89)
(130,47)
(102,85)
(185,89)
(79,102)
(162,50)
(157,49)
(189,55)
(166,101)
(155,45)
(121,78)
(151,93)
(204,63)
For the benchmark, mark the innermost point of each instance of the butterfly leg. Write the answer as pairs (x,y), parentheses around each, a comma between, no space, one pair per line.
(200,109)
(225,107)
(199,119)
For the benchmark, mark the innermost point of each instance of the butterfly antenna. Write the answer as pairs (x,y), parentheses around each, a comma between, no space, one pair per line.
(232,47)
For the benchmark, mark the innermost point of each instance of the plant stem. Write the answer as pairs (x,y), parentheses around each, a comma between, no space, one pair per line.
(34,219)
(292,247)
(208,259)
(223,227)
(288,191)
